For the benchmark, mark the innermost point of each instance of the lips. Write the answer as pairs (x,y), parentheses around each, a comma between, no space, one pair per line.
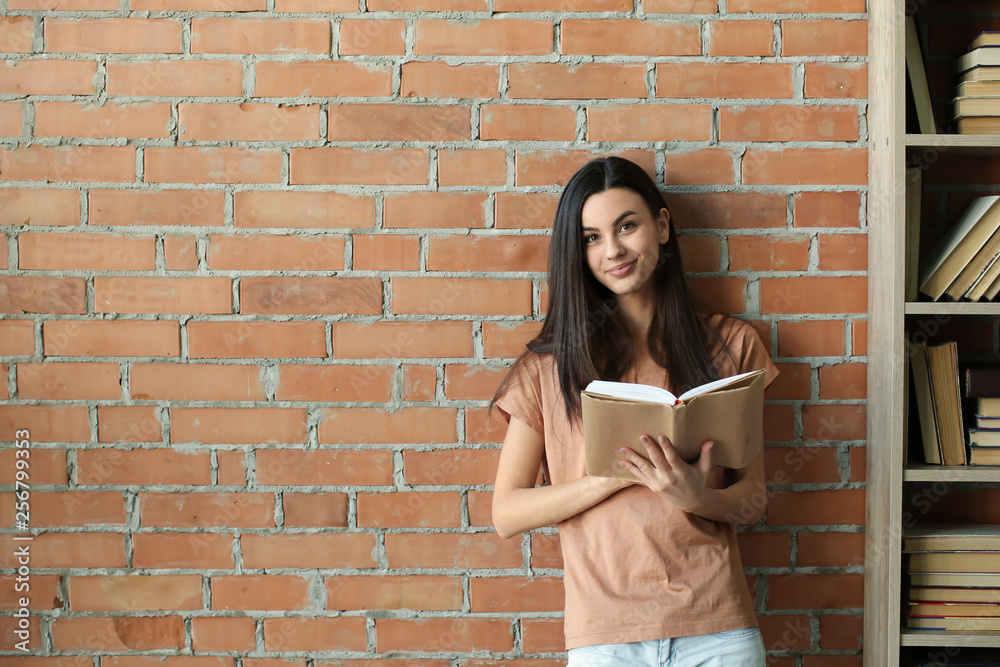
(622,269)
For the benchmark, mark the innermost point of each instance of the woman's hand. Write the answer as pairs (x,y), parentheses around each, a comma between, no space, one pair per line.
(683,484)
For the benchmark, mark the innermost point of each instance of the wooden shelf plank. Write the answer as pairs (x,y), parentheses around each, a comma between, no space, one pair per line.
(952,308)
(983,638)
(919,472)
(952,140)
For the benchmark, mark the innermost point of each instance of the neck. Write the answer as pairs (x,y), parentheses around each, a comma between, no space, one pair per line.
(637,310)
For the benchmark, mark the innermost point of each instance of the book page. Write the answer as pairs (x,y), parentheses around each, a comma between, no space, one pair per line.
(715,384)
(633,391)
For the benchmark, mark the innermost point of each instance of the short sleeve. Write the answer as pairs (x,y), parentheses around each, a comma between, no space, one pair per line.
(753,355)
(522,397)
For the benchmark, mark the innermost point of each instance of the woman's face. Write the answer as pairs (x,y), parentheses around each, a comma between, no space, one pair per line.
(622,239)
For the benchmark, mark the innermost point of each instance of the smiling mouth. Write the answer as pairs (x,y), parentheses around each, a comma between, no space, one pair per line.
(622,269)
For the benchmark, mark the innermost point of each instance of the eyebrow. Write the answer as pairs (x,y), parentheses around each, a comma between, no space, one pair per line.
(617,220)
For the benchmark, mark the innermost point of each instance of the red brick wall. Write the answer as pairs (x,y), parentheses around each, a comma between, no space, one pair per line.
(263,262)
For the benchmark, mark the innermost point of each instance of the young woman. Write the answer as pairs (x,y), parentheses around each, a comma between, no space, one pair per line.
(652,571)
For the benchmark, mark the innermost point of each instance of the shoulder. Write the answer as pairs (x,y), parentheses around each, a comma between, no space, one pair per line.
(745,344)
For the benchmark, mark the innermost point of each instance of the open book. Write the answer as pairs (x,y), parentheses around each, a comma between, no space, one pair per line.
(728,411)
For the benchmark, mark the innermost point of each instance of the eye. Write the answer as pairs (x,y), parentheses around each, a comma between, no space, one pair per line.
(590,238)
(627,225)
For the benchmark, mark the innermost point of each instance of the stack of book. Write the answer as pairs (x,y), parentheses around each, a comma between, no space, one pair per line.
(954,573)
(983,384)
(976,108)
(966,262)
(939,401)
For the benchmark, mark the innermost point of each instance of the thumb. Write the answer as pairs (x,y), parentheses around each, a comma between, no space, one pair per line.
(705,459)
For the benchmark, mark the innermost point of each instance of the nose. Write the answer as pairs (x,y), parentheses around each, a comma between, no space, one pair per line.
(613,247)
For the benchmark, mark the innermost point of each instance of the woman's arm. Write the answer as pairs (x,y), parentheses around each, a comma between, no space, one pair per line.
(685,485)
(518,505)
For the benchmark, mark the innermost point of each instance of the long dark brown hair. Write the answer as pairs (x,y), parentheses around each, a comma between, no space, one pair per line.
(583,327)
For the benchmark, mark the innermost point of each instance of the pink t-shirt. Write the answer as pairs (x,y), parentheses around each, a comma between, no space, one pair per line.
(635,566)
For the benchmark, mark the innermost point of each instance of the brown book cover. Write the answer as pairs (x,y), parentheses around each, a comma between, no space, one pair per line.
(982,381)
(981,74)
(610,422)
(946,260)
(980,455)
(943,364)
(978,124)
(952,537)
(930,438)
(954,594)
(953,609)
(955,561)
(955,579)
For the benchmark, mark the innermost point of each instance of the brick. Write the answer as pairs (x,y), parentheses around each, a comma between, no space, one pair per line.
(419,382)
(542,635)
(53,251)
(315,6)
(265,252)
(827,209)
(64,550)
(472,167)
(241,340)
(38,294)
(418,592)
(48,466)
(836,80)
(70,119)
(460,296)
(702,252)
(386,252)
(264,592)
(764,549)
(824,37)
(247,122)
(681,6)
(483,426)
(149,207)
(348,633)
(831,549)
(351,166)
(741,38)
(421,78)
(69,163)
(768,253)
(817,508)
(516,594)
(788,123)
(488,253)
(174,78)
(118,634)
(809,338)
(127,294)
(301,382)
(649,122)
(545,551)
(112,35)
(804,6)
(187,510)
(302,210)
(223,633)
(182,550)
(69,5)
(814,294)
(779,423)
(211,164)
(480,508)
(48,77)
(240,35)
(375,425)
(10,119)
(725,295)
(199,5)
(482,38)
(859,337)
(82,338)
(526,122)
(398,122)
(69,381)
(39,206)
(467,382)
(843,381)
(139,423)
(841,632)
(43,594)
(125,593)
(372,37)
(451,550)
(504,339)
(450,466)
(416,509)
(390,340)
(843,252)
(350,550)
(321,79)
(47,423)
(443,634)
(726,80)
(310,295)
(551,167)
(61,509)
(144,467)
(784,632)
(700,167)
(815,591)
(314,509)
(435,209)
(520,210)
(180,253)
(232,468)
(795,382)
(802,465)
(585,81)
(293,467)
(635,37)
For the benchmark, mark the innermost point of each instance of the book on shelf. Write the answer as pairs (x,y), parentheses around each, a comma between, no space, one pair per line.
(984,437)
(938,609)
(945,262)
(953,623)
(925,403)
(978,268)
(974,105)
(617,413)
(952,537)
(912,259)
(959,594)
(984,455)
(955,561)
(977,74)
(939,402)
(988,421)
(918,78)
(982,56)
(989,88)
(985,38)
(955,579)
(983,381)
(978,125)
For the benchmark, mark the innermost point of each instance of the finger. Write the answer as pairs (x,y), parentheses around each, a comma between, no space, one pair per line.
(633,459)
(705,459)
(669,453)
(655,451)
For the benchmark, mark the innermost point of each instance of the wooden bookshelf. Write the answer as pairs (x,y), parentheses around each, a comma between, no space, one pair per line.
(890,146)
